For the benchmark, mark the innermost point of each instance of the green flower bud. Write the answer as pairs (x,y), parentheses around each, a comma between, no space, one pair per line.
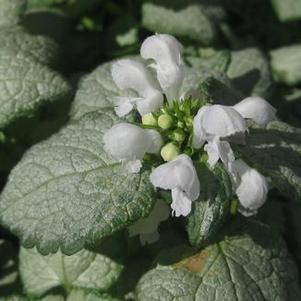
(169,151)
(149,119)
(189,121)
(204,158)
(180,124)
(165,121)
(178,135)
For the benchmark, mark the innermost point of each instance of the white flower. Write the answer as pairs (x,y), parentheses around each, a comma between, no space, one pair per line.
(165,52)
(217,121)
(216,150)
(147,227)
(129,143)
(251,187)
(214,123)
(130,74)
(257,109)
(178,175)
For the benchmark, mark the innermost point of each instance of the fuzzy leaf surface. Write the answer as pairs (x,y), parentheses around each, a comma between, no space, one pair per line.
(250,72)
(79,295)
(84,269)
(40,48)
(276,152)
(10,11)
(290,10)
(25,85)
(66,192)
(285,63)
(214,60)
(194,20)
(251,264)
(95,91)
(212,207)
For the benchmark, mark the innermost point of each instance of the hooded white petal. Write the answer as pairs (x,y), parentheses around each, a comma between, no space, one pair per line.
(181,204)
(178,175)
(147,227)
(216,150)
(218,121)
(165,50)
(150,104)
(251,186)
(126,141)
(123,105)
(130,74)
(257,109)
(199,135)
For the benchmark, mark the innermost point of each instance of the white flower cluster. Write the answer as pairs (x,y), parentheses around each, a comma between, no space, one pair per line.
(214,127)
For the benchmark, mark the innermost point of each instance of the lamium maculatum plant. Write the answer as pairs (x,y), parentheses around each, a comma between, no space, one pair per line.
(166,173)
(181,129)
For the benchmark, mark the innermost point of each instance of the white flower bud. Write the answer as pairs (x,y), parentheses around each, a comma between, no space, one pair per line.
(251,187)
(257,109)
(129,142)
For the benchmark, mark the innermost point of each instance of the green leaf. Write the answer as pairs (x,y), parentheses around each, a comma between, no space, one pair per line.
(217,92)
(293,229)
(210,59)
(95,92)
(84,269)
(67,192)
(15,298)
(8,269)
(25,85)
(276,152)
(180,18)
(52,298)
(35,4)
(26,298)
(285,63)
(195,79)
(250,264)
(289,10)
(212,207)
(80,295)
(39,48)
(52,23)
(122,37)
(250,72)
(10,11)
